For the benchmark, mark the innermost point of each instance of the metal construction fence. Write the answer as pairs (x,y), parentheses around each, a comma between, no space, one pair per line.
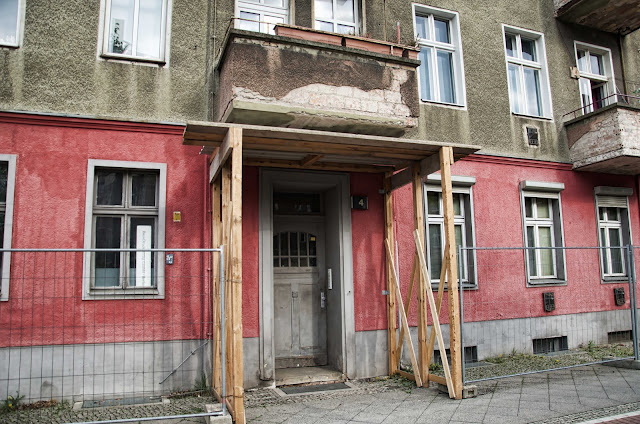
(96,335)
(528,310)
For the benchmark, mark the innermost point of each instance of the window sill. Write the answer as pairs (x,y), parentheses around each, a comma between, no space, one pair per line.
(125,58)
(615,280)
(113,294)
(465,286)
(442,104)
(10,46)
(546,282)
(537,118)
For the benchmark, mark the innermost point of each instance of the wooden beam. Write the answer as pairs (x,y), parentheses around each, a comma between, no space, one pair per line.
(403,318)
(428,165)
(446,154)
(434,316)
(310,159)
(418,221)
(225,183)
(324,166)
(406,375)
(223,152)
(326,148)
(216,241)
(235,134)
(438,379)
(432,333)
(407,302)
(391,292)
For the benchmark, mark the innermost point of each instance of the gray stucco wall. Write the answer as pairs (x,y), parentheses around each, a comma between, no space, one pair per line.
(57,68)
(487,120)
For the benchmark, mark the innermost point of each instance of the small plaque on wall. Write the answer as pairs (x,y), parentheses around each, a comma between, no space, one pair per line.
(360,202)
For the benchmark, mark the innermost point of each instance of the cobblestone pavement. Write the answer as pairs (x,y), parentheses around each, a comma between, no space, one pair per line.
(567,396)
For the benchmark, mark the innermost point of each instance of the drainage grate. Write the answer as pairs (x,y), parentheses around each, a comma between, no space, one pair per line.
(296,390)
(120,402)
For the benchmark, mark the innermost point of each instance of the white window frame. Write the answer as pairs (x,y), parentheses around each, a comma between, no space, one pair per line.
(8,224)
(335,22)
(587,77)
(157,292)
(540,65)
(549,191)
(461,185)
(613,197)
(104,36)
(19,27)
(265,12)
(455,47)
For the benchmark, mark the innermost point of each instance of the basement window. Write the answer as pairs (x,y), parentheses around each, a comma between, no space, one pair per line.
(550,345)
(619,336)
(470,355)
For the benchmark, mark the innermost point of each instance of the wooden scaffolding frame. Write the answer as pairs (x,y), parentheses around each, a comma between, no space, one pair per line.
(402,161)
(420,277)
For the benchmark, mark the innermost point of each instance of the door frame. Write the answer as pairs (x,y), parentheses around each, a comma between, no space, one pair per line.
(304,181)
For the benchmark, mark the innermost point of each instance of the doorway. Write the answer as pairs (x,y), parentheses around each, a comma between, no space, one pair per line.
(306,277)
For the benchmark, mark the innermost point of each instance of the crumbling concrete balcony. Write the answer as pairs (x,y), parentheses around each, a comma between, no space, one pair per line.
(607,139)
(616,16)
(302,78)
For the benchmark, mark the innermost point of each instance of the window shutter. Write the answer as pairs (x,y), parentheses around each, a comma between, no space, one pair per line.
(612,201)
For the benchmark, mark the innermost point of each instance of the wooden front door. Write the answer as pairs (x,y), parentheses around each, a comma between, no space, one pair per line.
(300,324)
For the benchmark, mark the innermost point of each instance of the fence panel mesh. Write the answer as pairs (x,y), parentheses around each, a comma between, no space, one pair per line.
(74,348)
(515,322)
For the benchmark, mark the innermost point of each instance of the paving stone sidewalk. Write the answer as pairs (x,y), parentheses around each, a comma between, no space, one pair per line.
(566,396)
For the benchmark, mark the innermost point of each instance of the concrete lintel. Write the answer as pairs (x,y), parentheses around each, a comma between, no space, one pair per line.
(541,186)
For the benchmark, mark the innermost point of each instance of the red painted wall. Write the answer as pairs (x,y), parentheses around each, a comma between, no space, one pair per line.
(49,212)
(502,292)
(250,253)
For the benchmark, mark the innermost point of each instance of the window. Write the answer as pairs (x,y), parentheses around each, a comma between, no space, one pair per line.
(136,29)
(596,76)
(440,71)
(613,231)
(295,249)
(529,92)
(260,15)
(7,186)
(125,210)
(339,16)
(543,232)
(10,22)
(463,226)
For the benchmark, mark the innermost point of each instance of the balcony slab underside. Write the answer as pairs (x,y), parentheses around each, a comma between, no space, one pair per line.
(607,140)
(291,83)
(616,16)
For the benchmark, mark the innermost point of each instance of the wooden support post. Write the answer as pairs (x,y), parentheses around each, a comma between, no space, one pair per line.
(216,241)
(446,159)
(235,283)
(434,316)
(418,218)
(391,296)
(407,303)
(432,334)
(225,184)
(403,316)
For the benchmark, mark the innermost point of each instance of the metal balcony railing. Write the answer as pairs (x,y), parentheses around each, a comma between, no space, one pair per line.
(622,99)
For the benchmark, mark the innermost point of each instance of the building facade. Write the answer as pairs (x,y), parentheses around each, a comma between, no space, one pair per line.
(95,97)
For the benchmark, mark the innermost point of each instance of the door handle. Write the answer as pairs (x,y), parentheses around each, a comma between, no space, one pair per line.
(323,300)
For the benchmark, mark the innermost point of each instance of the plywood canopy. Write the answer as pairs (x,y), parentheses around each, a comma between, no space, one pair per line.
(321,150)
